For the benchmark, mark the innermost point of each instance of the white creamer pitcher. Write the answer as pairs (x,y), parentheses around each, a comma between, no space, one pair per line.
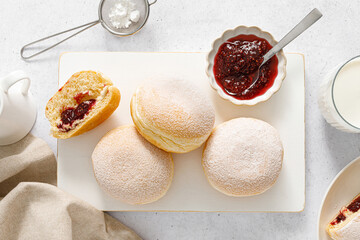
(17,108)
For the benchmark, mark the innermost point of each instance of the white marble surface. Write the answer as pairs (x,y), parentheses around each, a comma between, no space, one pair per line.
(191,26)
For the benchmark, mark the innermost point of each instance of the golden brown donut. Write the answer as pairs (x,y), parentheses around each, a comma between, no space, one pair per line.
(172,114)
(86,89)
(346,224)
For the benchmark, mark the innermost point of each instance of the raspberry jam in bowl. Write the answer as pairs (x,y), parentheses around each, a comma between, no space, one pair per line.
(233,64)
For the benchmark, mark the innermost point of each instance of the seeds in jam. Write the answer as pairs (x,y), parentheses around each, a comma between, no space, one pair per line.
(70,115)
(236,63)
(341,217)
(354,206)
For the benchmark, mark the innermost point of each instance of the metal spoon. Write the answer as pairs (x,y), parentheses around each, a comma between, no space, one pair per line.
(304,24)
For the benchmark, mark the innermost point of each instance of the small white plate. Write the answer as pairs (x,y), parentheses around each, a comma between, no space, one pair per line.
(342,190)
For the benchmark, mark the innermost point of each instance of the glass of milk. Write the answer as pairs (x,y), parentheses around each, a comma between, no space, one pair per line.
(339,96)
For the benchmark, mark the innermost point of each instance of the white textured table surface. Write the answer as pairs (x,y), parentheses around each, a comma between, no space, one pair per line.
(191,26)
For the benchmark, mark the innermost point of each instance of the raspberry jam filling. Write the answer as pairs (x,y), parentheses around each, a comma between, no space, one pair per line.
(80,96)
(70,115)
(340,217)
(354,206)
(236,63)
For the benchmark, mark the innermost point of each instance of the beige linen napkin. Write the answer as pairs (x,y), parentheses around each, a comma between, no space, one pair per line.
(31,207)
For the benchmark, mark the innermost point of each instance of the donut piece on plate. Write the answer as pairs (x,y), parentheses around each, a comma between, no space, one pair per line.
(130,168)
(172,114)
(86,100)
(346,224)
(243,157)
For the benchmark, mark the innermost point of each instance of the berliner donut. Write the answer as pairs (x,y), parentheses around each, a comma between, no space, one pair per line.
(243,157)
(86,100)
(130,168)
(172,114)
(346,224)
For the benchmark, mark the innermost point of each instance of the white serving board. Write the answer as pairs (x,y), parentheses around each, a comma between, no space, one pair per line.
(190,190)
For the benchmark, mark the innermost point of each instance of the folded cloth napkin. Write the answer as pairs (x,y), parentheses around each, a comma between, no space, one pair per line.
(32,207)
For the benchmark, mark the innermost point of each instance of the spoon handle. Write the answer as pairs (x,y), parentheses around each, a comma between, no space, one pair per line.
(304,24)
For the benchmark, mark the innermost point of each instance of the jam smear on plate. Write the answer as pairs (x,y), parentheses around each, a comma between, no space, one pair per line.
(236,63)
(70,115)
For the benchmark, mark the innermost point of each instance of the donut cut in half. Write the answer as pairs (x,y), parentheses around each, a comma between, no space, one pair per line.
(85,101)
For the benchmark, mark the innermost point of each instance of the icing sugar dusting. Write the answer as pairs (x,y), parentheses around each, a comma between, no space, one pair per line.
(130,168)
(350,231)
(123,14)
(176,106)
(243,157)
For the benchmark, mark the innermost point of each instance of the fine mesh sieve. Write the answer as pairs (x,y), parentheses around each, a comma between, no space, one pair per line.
(143,6)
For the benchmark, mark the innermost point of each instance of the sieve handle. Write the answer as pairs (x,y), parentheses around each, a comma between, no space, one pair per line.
(85,27)
(153,2)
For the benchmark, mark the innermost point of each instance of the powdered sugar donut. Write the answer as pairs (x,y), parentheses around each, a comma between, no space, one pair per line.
(130,168)
(172,114)
(346,223)
(243,157)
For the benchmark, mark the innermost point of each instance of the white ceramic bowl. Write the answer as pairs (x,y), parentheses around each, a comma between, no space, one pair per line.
(247,31)
(342,190)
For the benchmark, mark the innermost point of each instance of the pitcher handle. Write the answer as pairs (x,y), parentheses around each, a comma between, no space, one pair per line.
(14,77)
